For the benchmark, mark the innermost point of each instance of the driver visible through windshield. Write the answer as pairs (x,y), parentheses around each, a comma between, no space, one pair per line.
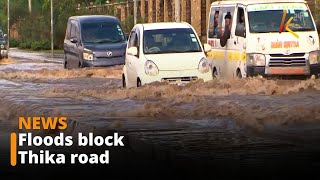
(102,32)
(270,20)
(178,40)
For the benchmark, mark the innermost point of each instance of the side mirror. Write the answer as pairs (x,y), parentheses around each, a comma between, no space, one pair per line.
(318,26)
(74,40)
(5,36)
(207,48)
(133,51)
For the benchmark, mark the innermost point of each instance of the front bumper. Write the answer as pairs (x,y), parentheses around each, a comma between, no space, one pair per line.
(103,62)
(282,71)
(177,77)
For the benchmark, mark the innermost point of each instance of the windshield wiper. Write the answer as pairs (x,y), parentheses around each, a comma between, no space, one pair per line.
(193,50)
(116,41)
(104,41)
(303,29)
(264,31)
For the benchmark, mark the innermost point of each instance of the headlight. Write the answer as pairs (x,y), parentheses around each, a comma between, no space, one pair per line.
(87,56)
(203,66)
(2,46)
(151,68)
(314,57)
(256,59)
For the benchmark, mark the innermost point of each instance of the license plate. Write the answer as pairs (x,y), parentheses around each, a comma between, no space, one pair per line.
(285,71)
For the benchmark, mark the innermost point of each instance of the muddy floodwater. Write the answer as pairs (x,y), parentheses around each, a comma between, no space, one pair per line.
(229,124)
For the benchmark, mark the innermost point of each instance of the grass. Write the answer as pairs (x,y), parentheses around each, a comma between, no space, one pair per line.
(55,51)
(58,51)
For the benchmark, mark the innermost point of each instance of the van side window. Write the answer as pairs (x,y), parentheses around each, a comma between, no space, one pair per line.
(217,21)
(67,36)
(222,18)
(73,32)
(77,33)
(214,23)
(241,25)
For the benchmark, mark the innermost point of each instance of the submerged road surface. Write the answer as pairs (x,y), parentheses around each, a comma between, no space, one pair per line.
(236,128)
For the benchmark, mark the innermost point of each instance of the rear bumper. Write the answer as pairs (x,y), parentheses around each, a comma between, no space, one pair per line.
(103,62)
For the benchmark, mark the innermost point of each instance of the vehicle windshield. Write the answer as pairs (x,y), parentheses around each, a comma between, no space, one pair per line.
(270,20)
(178,40)
(102,32)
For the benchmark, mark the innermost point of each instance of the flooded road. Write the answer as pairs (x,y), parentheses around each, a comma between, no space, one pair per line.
(242,125)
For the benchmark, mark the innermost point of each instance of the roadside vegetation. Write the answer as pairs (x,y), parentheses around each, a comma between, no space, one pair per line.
(32,30)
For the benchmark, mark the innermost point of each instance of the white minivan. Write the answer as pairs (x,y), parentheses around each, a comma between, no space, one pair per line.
(267,38)
(165,52)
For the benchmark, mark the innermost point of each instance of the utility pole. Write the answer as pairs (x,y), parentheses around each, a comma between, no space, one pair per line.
(52,28)
(8,33)
(30,6)
(128,10)
(135,12)
(177,10)
(316,9)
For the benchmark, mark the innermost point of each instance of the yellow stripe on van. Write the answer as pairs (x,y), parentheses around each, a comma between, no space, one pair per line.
(230,56)
(244,57)
(237,56)
(220,55)
(216,55)
(210,54)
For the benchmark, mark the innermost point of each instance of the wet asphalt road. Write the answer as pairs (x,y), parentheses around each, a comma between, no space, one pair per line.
(208,144)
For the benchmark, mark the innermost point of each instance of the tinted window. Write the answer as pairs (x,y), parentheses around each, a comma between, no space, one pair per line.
(170,41)
(102,32)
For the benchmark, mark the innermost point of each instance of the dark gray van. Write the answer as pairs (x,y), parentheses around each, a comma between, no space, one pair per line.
(3,46)
(94,40)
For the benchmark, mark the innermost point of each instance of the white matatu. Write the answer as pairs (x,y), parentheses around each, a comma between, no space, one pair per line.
(165,52)
(268,38)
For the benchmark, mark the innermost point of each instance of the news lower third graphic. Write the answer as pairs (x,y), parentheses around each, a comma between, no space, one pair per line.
(22,144)
(286,26)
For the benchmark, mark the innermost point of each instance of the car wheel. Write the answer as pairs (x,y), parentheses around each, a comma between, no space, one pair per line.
(124,84)
(139,83)
(65,62)
(214,73)
(80,65)
(239,75)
